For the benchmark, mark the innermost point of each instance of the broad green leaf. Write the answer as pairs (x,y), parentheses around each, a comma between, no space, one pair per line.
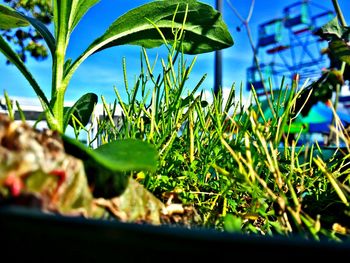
(68,13)
(82,109)
(204,29)
(338,37)
(118,156)
(127,155)
(106,166)
(80,9)
(340,50)
(179,1)
(9,18)
(44,32)
(333,30)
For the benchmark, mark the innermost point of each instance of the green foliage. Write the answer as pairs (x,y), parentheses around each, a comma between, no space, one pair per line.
(320,90)
(164,22)
(81,110)
(116,154)
(199,27)
(7,21)
(27,40)
(106,167)
(238,166)
(331,80)
(338,37)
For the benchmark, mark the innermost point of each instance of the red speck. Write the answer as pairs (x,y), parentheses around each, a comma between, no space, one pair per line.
(14,183)
(61,178)
(60,174)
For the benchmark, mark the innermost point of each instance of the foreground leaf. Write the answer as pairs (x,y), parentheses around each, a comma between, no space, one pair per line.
(340,50)
(106,167)
(204,29)
(127,155)
(9,18)
(67,15)
(80,9)
(82,110)
(331,30)
(120,155)
(338,37)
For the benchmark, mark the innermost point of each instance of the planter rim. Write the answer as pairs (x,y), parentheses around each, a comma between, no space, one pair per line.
(85,238)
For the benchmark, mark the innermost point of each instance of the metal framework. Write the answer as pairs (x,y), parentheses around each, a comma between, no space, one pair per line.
(288,46)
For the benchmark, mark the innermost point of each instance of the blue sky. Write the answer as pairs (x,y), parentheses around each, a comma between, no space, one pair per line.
(103,71)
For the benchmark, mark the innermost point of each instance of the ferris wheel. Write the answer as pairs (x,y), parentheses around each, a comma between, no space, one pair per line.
(288,46)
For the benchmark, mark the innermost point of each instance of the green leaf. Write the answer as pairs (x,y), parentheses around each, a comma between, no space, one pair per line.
(118,156)
(107,165)
(333,30)
(44,32)
(204,29)
(340,50)
(82,110)
(338,37)
(128,155)
(9,18)
(80,10)
(62,14)
(67,15)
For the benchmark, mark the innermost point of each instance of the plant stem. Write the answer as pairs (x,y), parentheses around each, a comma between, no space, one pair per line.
(339,12)
(58,91)
(342,70)
(59,83)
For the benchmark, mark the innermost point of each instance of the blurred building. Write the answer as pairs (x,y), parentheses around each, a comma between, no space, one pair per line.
(32,111)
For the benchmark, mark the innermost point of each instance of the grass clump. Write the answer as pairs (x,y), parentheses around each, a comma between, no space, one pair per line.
(239,166)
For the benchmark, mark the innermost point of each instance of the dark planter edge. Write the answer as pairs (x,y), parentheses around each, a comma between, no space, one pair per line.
(36,234)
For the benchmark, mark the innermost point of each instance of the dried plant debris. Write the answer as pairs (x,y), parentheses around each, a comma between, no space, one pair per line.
(36,171)
(33,164)
(137,204)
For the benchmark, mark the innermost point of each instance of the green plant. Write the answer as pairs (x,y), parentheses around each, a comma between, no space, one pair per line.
(238,166)
(337,33)
(28,41)
(199,27)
